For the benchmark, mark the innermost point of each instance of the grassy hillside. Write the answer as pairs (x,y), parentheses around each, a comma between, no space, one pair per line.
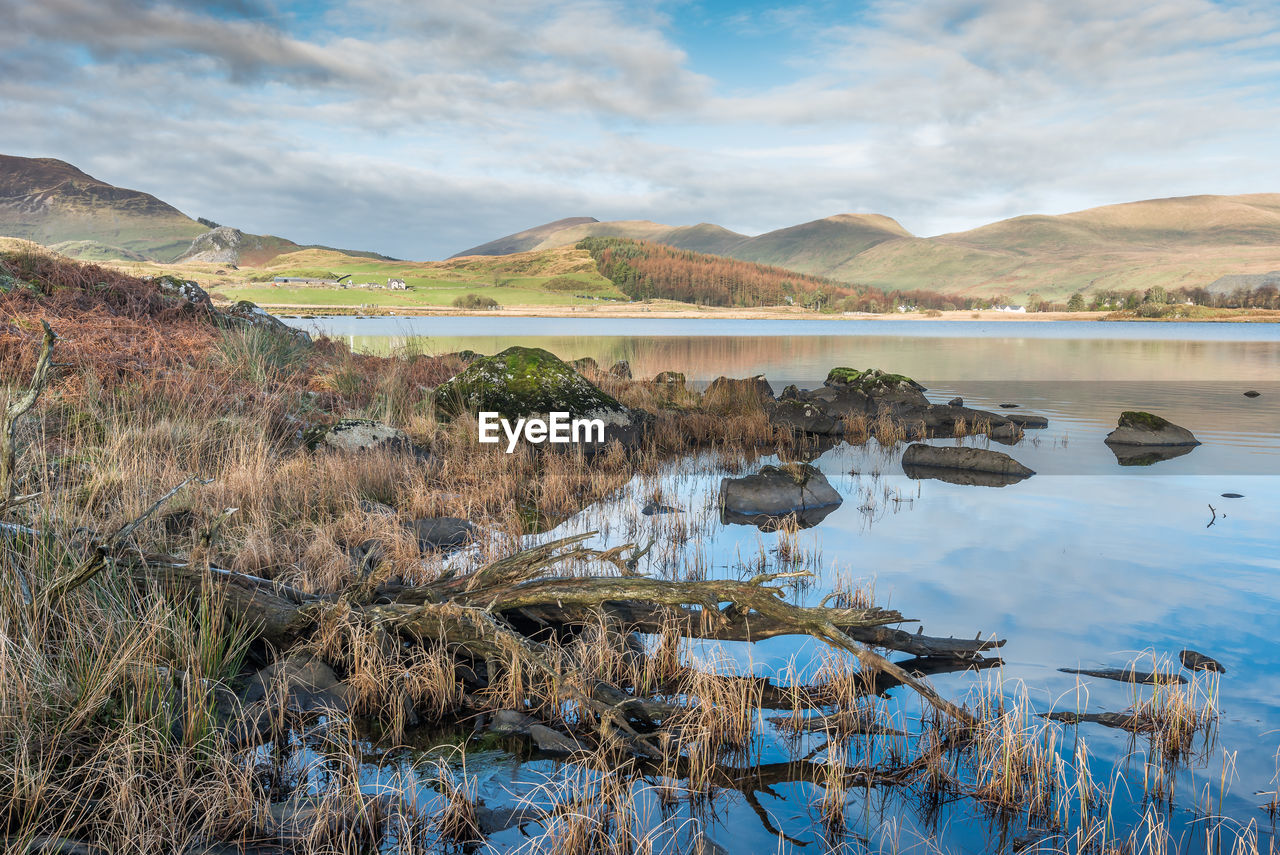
(820,247)
(703,237)
(560,277)
(525,240)
(55,204)
(1172,243)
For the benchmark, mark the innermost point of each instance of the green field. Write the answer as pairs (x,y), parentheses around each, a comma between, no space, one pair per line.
(560,277)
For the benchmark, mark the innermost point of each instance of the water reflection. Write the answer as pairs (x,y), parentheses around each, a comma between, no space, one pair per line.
(1094,562)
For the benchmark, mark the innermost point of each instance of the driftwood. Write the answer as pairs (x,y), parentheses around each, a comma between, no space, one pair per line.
(9,423)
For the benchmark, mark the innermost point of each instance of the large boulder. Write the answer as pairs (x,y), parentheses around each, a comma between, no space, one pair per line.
(182,289)
(964,458)
(757,388)
(804,417)
(776,492)
(529,382)
(1145,429)
(245,315)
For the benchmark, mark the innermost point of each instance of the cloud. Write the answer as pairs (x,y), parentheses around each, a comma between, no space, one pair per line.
(418,129)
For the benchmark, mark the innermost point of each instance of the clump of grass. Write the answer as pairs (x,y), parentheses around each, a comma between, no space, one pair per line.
(475,302)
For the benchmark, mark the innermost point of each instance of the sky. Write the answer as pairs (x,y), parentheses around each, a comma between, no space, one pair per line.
(418,128)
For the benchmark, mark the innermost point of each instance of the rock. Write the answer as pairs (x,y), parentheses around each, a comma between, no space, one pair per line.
(791,393)
(1145,429)
(443,533)
(247,316)
(183,289)
(1008,406)
(1028,422)
(357,435)
(466,356)
(1137,455)
(1006,434)
(727,389)
(510,723)
(653,508)
(669,378)
(586,363)
(777,491)
(874,381)
(523,382)
(553,742)
(1252,393)
(956,402)
(804,417)
(377,508)
(963,457)
(962,477)
(621,369)
(1193,661)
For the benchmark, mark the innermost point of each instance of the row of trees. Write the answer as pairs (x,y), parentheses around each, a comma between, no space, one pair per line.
(643,271)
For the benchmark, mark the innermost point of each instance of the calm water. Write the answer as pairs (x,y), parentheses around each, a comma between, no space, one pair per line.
(1087,563)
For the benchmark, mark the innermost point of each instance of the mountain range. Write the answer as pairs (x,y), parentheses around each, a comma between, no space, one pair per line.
(1192,241)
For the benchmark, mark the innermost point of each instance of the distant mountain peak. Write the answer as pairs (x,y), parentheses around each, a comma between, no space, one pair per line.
(525,240)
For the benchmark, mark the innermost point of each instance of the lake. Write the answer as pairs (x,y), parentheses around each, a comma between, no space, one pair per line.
(1086,564)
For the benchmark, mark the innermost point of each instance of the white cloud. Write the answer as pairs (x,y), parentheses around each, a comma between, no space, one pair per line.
(418,129)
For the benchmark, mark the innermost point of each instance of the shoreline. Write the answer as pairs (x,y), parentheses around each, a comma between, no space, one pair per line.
(1253,316)
(671,312)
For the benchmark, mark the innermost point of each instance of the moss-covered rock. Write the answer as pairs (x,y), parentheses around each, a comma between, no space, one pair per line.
(521,382)
(870,381)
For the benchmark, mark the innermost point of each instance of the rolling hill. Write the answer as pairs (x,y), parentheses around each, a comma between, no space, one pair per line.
(55,204)
(1178,242)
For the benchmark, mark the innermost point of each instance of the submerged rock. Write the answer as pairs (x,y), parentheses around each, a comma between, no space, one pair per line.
(962,477)
(1252,393)
(777,491)
(1028,422)
(1127,675)
(960,457)
(1146,455)
(524,382)
(654,508)
(1144,429)
(1195,661)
